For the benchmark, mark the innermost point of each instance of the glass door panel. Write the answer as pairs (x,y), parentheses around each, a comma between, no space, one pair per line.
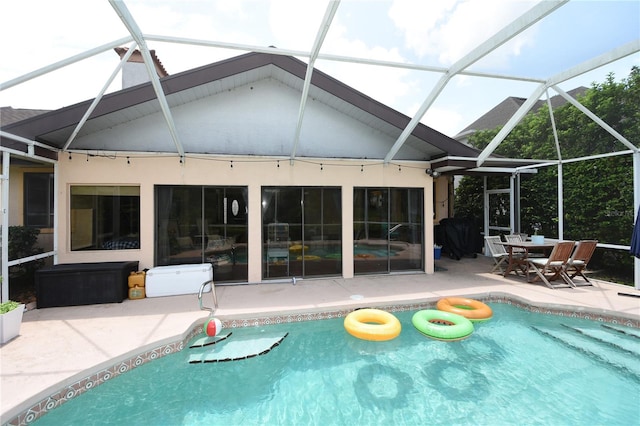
(196,224)
(406,231)
(388,229)
(371,243)
(225,222)
(302,229)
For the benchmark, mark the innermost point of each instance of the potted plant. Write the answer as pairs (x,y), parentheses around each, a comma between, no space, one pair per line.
(537,238)
(10,320)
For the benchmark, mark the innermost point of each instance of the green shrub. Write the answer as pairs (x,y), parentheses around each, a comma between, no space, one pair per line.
(22,243)
(8,306)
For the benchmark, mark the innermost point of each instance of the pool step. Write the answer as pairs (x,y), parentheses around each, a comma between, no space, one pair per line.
(631,333)
(239,348)
(618,341)
(610,353)
(208,341)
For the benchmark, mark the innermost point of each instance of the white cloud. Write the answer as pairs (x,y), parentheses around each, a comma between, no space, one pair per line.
(295,23)
(446,121)
(448,30)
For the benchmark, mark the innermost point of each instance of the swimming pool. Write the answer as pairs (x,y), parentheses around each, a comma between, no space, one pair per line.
(518,368)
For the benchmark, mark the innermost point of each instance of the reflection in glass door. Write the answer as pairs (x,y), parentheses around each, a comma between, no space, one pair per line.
(388,230)
(196,224)
(302,231)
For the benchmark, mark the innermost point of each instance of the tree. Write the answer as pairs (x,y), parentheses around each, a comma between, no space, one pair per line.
(597,193)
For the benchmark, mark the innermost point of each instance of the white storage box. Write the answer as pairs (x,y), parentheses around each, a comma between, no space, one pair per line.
(177,279)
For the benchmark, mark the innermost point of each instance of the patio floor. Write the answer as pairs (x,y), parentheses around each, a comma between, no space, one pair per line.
(58,345)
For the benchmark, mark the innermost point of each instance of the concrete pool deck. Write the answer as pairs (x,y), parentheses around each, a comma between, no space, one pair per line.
(56,346)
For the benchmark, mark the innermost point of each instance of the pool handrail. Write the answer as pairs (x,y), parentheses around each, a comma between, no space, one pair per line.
(213,293)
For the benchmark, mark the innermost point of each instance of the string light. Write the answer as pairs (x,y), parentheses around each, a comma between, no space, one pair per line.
(182,159)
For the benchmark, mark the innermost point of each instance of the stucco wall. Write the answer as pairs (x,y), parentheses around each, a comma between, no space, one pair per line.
(254,172)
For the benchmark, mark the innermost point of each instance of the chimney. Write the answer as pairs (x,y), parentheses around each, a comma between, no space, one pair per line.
(134,72)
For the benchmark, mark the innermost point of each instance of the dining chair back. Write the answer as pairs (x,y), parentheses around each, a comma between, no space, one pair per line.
(577,264)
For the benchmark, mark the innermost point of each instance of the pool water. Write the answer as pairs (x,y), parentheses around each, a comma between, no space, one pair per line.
(517,368)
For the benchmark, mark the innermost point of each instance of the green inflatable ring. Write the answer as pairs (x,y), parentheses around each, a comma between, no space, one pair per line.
(442,325)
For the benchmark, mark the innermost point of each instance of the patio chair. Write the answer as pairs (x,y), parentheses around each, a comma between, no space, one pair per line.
(518,238)
(579,260)
(551,268)
(497,252)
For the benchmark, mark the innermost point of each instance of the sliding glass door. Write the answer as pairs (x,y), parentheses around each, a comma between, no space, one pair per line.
(203,224)
(387,230)
(302,231)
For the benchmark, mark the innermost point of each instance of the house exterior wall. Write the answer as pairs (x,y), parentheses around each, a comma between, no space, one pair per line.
(253,172)
(253,119)
(16,196)
(441,203)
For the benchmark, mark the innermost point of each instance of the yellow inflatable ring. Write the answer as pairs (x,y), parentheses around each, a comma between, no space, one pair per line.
(372,324)
(471,309)
(308,257)
(298,247)
(442,325)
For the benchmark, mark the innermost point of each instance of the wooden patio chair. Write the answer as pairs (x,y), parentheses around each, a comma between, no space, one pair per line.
(548,269)
(579,260)
(497,252)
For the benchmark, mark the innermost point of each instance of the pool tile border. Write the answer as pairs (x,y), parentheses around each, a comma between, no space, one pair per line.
(76,388)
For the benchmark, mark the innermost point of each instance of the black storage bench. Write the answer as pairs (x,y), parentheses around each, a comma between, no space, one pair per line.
(71,284)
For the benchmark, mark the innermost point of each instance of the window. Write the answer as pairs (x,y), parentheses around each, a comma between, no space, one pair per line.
(38,200)
(105,217)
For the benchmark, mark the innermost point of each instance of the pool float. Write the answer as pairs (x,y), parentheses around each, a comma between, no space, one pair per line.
(471,309)
(365,256)
(442,325)
(298,247)
(308,257)
(372,324)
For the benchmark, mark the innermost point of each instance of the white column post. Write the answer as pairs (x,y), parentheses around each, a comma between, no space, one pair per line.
(6,157)
(636,207)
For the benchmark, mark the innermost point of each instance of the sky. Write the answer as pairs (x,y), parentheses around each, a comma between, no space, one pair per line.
(36,33)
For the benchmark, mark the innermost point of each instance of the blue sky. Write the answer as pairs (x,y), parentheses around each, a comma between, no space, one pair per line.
(36,33)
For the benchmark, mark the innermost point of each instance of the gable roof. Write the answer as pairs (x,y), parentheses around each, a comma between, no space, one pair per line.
(501,113)
(10,115)
(55,127)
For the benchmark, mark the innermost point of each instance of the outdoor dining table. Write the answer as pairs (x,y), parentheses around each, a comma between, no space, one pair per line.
(519,260)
